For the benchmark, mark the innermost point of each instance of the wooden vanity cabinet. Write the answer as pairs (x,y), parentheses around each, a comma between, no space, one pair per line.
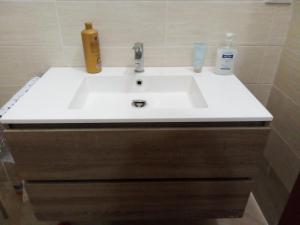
(139,200)
(143,173)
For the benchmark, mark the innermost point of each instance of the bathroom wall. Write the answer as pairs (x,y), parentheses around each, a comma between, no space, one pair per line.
(37,34)
(282,152)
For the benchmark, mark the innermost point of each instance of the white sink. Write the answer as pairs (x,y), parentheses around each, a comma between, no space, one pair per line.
(170,94)
(118,93)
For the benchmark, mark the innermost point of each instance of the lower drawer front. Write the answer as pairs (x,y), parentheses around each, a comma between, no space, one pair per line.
(76,201)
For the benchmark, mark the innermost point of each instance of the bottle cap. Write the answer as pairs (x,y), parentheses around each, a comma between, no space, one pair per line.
(229,35)
(88,25)
(229,39)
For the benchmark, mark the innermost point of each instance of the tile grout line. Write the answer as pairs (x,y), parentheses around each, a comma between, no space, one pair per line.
(285,95)
(285,142)
(186,1)
(171,46)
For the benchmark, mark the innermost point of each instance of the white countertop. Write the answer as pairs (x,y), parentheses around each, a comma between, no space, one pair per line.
(49,99)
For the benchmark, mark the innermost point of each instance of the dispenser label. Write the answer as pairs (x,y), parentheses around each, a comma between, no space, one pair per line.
(227,56)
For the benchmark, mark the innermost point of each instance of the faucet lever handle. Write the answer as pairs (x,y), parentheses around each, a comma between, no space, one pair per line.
(138,46)
(138,50)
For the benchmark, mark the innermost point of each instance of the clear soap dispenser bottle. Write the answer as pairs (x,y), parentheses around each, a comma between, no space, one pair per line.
(226,56)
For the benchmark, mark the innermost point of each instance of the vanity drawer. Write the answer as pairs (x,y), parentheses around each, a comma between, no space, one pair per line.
(138,200)
(142,153)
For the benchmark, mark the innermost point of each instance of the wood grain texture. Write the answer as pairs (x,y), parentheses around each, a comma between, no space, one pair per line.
(77,201)
(143,153)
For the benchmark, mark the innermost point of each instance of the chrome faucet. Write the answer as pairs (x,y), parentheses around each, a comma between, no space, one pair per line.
(138,57)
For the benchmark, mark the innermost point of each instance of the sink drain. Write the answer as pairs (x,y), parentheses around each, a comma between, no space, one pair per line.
(139,103)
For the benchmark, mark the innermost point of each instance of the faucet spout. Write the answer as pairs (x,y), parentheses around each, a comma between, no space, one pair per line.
(138,57)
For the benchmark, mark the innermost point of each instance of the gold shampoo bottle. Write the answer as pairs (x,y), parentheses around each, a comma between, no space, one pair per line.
(91,48)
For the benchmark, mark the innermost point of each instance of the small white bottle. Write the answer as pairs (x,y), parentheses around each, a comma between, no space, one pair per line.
(226,56)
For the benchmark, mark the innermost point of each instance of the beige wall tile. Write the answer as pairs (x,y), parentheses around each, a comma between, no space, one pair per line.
(211,54)
(271,195)
(293,39)
(28,23)
(18,64)
(190,11)
(6,92)
(260,91)
(183,56)
(124,56)
(168,29)
(208,21)
(115,56)
(249,63)
(280,24)
(189,22)
(120,23)
(283,149)
(250,21)
(74,56)
(153,57)
(182,34)
(286,118)
(270,64)
(283,160)
(109,56)
(16,79)
(177,56)
(288,75)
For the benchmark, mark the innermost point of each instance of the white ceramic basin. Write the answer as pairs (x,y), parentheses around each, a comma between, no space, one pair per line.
(119,93)
(172,94)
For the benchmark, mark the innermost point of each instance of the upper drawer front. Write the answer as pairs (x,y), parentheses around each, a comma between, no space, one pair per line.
(138,200)
(136,153)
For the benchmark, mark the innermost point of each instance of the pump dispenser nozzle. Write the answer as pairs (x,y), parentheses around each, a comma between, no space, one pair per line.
(229,39)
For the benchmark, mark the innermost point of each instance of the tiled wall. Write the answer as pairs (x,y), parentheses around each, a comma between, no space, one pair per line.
(285,105)
(36,34)
(283,148)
